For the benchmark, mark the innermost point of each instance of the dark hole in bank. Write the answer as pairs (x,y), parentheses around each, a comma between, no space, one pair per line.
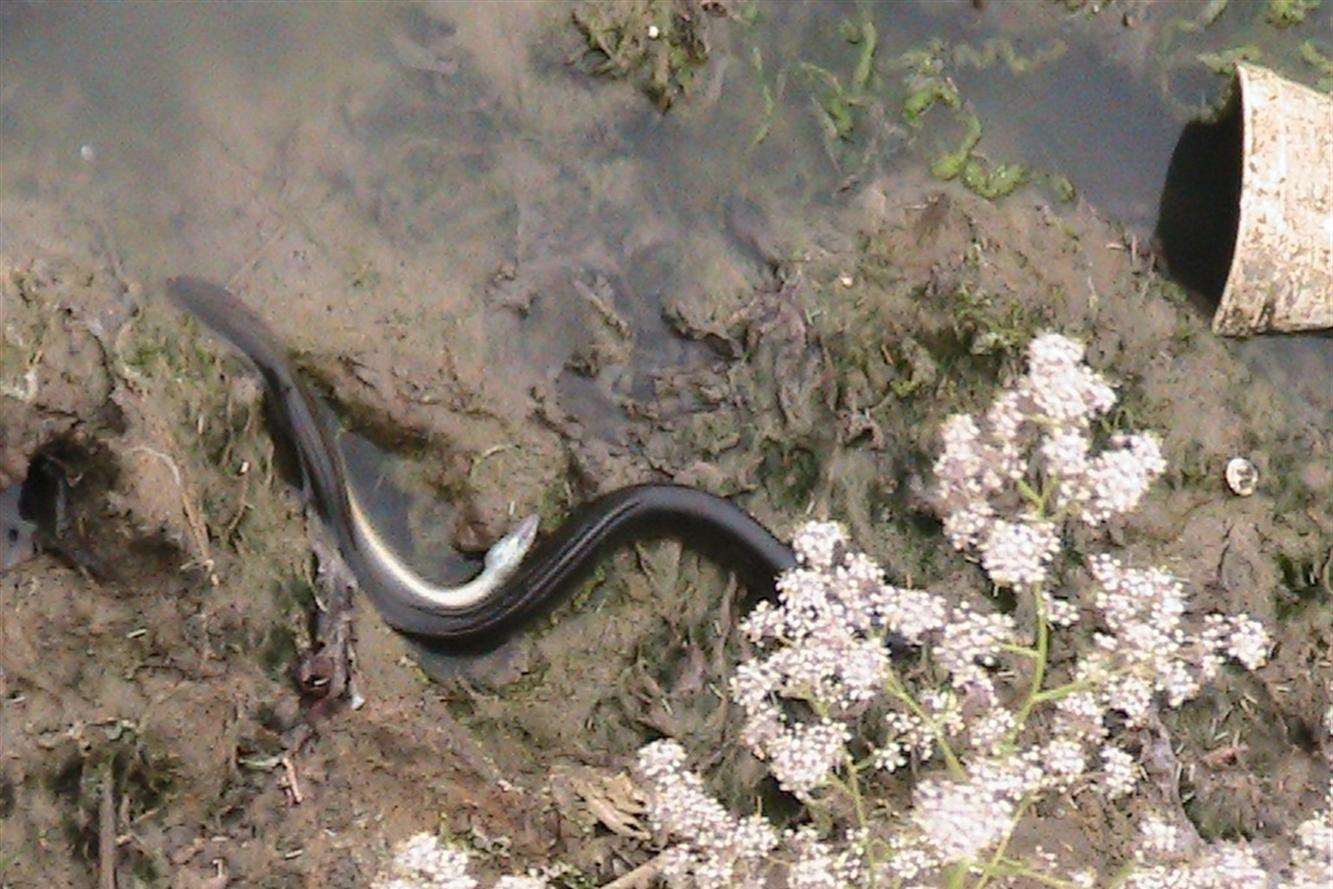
(1200,207)
(31,511)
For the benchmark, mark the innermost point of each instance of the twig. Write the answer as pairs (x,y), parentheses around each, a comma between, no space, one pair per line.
(112,257)
(106,834)
(253,259)
(292,785)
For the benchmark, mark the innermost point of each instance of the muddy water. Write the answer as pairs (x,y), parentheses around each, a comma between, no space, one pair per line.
(386,163)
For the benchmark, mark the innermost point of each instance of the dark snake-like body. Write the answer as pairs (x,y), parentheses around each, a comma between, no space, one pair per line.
(523,576)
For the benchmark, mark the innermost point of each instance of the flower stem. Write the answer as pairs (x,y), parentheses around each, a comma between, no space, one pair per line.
(853,788)
(989,870)
(1038,668)
(1061,691)
(897,690)
(958,875)
(1009,868)
(1021,650)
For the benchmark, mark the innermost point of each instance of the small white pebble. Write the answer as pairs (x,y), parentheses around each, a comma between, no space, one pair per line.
(1242,476)
(654,32)
(846,280)
(88,153)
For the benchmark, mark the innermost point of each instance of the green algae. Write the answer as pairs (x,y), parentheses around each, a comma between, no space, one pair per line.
(657,43)
(1322,63)
(1223,62)
(951,164)
(925,97)
(993,181)
(1001,49)
(929,86)
(1287,13)
(766,93)
(835,102)
(868,39)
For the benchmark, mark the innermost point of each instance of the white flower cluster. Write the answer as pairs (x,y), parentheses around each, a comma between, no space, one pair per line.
(817,865)
(1163,861)
(1312,860)
(1038,430)
(717,850)
(1147,647)
(824,642)
(423,862)
(959,820)
(828,711)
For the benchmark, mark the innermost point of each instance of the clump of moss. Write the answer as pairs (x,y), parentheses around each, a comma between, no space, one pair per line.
(659,43)
(1311,55)
(1285,13)
(1224,61)
(112,758)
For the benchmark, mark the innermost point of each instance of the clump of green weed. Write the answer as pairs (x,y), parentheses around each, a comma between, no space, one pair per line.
(659,43)
(1285,13)
(928,85)
(989,325)
(115,759)
(1311,55)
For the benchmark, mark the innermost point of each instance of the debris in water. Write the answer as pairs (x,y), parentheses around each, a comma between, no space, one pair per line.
(1242,476)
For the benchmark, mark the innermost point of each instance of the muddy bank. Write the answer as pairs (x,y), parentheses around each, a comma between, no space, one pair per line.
(515,296)
(148,657)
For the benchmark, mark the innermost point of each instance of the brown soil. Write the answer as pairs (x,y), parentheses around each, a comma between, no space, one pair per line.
(148,658)
(155,646)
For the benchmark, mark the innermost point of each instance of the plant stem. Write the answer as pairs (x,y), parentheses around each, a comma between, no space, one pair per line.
(1010,868)
(898,691)
(958,875)
(988,871)
(1061,691)
(1021,650)
(1038,668)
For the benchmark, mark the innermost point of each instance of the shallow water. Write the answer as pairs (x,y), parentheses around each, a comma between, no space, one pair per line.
(396,163)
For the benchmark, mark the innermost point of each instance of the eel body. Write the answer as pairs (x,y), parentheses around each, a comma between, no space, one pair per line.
(523,574)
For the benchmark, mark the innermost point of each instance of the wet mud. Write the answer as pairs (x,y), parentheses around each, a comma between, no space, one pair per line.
(514,298)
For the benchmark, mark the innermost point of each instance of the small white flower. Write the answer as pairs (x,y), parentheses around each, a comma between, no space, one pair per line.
(816,542)
(1158,838)
(803,756)
(1119,772)
(423,862)
(1016,554)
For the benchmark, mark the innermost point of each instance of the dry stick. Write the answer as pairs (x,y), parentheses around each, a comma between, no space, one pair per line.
(112,256)
(639,878)
(106,834)
(253,259)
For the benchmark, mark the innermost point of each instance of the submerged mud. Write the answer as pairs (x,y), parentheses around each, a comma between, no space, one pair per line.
(799,357)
